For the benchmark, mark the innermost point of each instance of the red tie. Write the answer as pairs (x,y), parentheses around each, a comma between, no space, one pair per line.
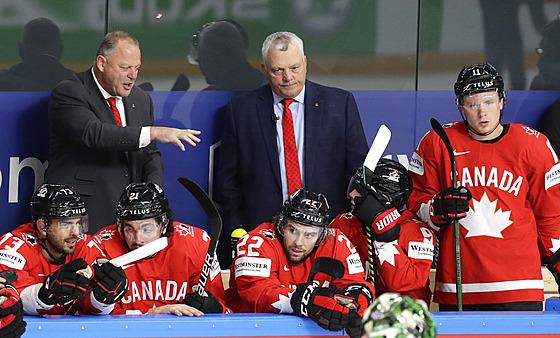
(290,150)
(116,114)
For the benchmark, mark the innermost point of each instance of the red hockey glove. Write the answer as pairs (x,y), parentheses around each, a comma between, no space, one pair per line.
(109,283)
(320,304)
(64,285)
(11,313)
(373,213)
(207,303)
(553,266)
(449,205)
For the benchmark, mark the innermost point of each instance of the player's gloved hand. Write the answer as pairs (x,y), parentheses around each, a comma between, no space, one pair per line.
(361,296)
(371,212)
(11,313)
(109,283)
(207,303)
(553,266)
(449,205)
(64,285)
(355,327)
(321,304)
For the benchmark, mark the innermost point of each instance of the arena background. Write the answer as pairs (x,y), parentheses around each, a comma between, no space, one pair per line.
(400,58)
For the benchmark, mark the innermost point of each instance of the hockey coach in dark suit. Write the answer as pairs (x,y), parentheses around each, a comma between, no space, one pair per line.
(101,130)
(253,168)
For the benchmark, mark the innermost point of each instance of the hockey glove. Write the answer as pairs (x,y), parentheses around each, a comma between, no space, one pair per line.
(553,266)
(11,313)
(109,283)
(355,326)
(449,205)
(370,212)
(207,303)
(320,304)
(64,285)
(360,295)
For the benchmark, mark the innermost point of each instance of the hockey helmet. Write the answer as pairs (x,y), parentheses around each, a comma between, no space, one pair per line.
(476,79)
(142,201)
(59,201)
(393,315)
(390,183)
(307,208)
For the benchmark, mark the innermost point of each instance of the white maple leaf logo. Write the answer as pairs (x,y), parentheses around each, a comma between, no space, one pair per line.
(386,252)
(283,303)
(484,220)
(555,244)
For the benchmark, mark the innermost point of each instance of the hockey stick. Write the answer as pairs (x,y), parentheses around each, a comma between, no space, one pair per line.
(131,256)
(438,129)
(327,265)
(375,152)
(215,223)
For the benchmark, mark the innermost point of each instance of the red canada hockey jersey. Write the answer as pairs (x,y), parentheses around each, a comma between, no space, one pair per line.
(263,279)
(166,277)
(20,250)
(403,266)
(514,210)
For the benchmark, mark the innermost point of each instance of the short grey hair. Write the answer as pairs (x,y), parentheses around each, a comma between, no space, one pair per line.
(280,41)
(110,41)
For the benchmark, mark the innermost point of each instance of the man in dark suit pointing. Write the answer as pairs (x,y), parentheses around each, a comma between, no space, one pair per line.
(101,130)
(255,169)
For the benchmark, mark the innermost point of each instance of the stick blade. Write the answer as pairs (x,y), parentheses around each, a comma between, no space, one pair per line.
(327,265)
(377,147)
(140,253)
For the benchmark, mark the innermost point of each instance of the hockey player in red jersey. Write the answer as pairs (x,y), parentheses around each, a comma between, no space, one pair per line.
(270,273)
(404,246)
(506,200)
(12,324)
(49,253)
(162,283)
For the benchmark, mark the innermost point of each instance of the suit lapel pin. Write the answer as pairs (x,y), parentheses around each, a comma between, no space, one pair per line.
(133,106)
(316,104)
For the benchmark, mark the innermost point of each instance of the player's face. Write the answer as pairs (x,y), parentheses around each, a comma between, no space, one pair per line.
(63,235)
(140,232)
(482,112)
(119,69)
(299,240)
(353,194)
(285,71)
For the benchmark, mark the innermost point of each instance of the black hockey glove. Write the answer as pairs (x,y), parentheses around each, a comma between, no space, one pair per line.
(553,266)
(109,283)
(11,313)
(322,305)
(372,213)
(449,205)
(207,303)
(64,285)
(355,327)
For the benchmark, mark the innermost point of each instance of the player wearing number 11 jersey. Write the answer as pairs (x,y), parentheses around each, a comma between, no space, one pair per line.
(506,201)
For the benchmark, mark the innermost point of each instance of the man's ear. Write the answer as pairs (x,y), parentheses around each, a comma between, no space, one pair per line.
(41,227)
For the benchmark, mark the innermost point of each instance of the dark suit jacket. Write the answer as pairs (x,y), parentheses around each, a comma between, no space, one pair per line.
(90,152)
(249,188)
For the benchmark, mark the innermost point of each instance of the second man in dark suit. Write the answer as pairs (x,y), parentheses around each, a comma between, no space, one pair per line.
(329,137)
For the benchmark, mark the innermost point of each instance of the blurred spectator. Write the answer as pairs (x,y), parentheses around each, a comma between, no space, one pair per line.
(40,50)
(502,36)
(548,77)
(219,49)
